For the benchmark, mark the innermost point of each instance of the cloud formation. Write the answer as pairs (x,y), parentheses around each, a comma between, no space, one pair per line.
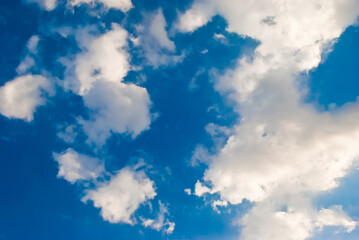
(282,149)
(120,197)
(103,58)
(20,97)
(158,31)
(116,108)
(158,49)
(160,222)
(74,166)
(96,74)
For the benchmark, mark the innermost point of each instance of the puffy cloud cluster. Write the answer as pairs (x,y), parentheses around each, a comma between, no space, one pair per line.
(282,149)
(120,196)
(20,97)
(96,74)
(74,166)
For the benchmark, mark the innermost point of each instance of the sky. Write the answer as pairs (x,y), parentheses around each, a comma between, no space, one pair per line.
(168,119)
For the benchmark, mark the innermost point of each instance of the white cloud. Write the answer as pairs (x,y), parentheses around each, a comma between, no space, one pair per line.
(335,216)
(161,222)
(96,74)
(200,155)
(197,16)
(25,65)
(122,195)
(104,58)
(45,4)
(282,147)
(153,39)
(74,166)
(158,31)
(285,144)
(219,203)
(118,108)
(28,62)
(123,5)
(33,43)
(265,222)
(200,189)
(20,97)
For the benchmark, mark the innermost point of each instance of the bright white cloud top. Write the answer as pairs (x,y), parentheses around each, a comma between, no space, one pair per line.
(74,166)
(97,76)
(20,97)
(122,195)
(282,149)
(103,59)
(117,108)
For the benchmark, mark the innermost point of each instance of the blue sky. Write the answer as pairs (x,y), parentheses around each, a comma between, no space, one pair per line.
(179,119)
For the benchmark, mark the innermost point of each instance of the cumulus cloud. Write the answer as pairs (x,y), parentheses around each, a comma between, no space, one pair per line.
(74,166)
(281,146)
(96,74)
(117,108)
(45,4)
(104,58)
(123,5)
(120,197)
(20,97)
